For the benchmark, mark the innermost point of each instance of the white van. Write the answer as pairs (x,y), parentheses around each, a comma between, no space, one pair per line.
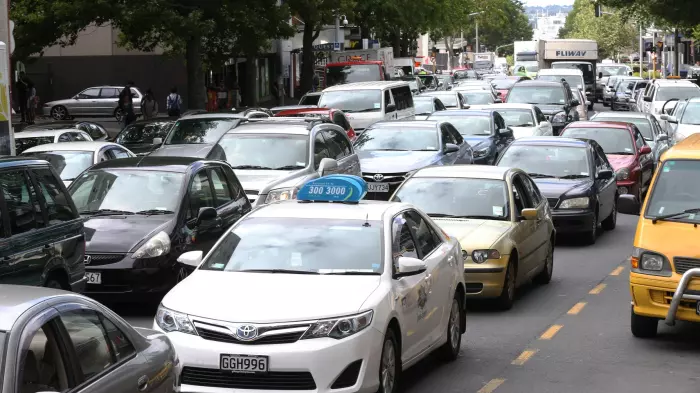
(366,103)
(573,76)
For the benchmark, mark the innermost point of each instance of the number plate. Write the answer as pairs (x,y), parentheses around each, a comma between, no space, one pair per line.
(93,278)
(377,187)
(244,363)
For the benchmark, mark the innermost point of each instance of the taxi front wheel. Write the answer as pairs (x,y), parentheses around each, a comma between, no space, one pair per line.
(450,350)
(644,327)
(390,364)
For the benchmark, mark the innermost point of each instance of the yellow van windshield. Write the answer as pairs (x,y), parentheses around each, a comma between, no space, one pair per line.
(676,190)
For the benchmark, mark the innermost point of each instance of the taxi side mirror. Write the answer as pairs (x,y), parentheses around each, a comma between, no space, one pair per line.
(192,258)
(529,214)
(410,267)
(628,204)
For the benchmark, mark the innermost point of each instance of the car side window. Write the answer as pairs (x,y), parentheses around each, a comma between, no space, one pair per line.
(200,194)
(123,348)
(89,93)
(532,191)
(22,205)
(540,115)
(446,136)
(521,196)
(337,150)
(57,202)
(403,244)
(655,127)
(109,92)
(65,137)
(498,120)
(222,192)
(90,342)
(638,138)
(78,136)
(321,150)
(455,134)
(43,365)
(387,98)
(426,238)
(117,152)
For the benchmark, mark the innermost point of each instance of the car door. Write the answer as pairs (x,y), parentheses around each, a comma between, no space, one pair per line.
(411,295)
(445,139)
(105,103)
(434,252)
(660,146)
(646,161)
(525,232)
(31,243)
(229,198)
(200,194)
(464,155)
(341,150)
(83,102)
(606,189)
(541,227)
(321,150)
(388,100)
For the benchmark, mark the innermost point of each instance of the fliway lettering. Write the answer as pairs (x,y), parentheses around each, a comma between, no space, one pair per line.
(571,53)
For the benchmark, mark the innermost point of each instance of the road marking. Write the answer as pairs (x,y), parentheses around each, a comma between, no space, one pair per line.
(549,333)
(492,385)
(577,308)
(617,271)
(524,357)
(598,289)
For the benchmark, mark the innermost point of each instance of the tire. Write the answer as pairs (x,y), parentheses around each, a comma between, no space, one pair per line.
(611,221)
(612,106)
(643,327)
(450,350)
(592,235)
(545,276)
(390,384)
(119,115)
(507,297)
(59,112)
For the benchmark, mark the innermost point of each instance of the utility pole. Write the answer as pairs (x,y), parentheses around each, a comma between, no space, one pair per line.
(7,142)
(676,55)
(641,51)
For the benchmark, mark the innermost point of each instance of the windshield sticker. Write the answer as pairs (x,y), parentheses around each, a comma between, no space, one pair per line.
(497,211)
(628,149)
(661,210)
(667,169)
(218,266)
(301,163)
(375,266)
(377,105)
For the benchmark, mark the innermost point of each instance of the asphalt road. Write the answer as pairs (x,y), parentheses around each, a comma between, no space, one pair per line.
(571,336)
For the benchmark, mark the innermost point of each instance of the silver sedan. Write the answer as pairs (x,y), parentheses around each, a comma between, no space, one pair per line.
(55,341)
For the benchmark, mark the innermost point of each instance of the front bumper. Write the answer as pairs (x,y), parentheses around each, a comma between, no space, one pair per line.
(572,221)
(127,280)
(311,365)
(668,298)
(485,280)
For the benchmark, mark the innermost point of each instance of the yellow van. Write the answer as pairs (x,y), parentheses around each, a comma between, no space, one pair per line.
(665,262)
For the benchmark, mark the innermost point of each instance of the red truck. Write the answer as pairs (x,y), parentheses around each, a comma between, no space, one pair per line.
(361,65)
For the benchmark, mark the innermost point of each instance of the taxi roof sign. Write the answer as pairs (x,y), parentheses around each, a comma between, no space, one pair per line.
(333,188)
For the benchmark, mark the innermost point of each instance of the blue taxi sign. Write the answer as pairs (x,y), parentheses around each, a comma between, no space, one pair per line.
(334,188)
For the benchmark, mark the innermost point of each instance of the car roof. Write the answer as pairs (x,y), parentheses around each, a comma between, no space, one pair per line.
(17,299)
(599,124)
(373,85)
(158,163)
(465,171)
(364,210)
(292,125)
(71,146)
(511,106)
(662,82)
(465,112)
(538,83)
(284,112)
(15,161)
(406,123)
(688,148)
(424,97)
(633,115)
(551,141)
(560,71)
(40,133)
(214,116)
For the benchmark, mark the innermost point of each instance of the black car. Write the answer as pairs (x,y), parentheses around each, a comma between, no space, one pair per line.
(576,178)
(138,136)
(432,82)
(196,135)
(555,99)
(43,240)
(484,130)
(142,213)
(96,130)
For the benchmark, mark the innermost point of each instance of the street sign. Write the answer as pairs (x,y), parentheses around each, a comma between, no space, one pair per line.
(328,47)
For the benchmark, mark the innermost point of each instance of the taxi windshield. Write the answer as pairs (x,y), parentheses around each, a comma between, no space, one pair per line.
(265,151)
(68,164)
(676,189)
(666,93)
(548,161)
(300,245)
(612,140)
(398,139)
(456,197)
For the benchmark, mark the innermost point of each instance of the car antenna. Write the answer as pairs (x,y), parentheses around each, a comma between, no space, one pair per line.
(366,224)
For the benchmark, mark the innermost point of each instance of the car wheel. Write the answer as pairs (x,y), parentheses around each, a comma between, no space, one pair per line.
(119,115)
(590,107)
(545,276)
(507,297)
(390,364)
(605,103)
(592,234)
(59,112)
(611,221)
(643,327)
(450,350)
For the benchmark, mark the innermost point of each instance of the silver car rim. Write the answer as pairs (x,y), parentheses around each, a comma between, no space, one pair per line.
(118,115)
(59,113)
(388,366)
(454,325)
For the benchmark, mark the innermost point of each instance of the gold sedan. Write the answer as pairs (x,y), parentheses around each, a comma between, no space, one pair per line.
(500,218)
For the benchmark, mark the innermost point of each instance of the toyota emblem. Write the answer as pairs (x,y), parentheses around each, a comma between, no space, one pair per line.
(247,332)
(87,259)
(378,177)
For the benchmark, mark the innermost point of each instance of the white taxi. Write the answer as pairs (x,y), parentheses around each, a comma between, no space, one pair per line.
(324,293)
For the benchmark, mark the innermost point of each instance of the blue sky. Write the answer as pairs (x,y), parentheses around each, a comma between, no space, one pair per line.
(542,3)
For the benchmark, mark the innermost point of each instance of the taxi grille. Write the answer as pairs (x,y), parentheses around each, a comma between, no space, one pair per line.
(272,380)
(394,180)
(682,265)
(285,338)
(553,202)
(103,259)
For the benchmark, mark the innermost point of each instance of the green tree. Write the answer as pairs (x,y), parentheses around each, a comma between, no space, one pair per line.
(611,31)
(675,12)
(507,24)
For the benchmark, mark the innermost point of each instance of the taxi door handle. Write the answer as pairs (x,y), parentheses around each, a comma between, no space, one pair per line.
(143,383)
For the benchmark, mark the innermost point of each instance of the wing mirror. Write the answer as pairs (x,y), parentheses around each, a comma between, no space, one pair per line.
(390,108)
(645,150)
(451,148)
(410,267)
(628,204)
(647,99)
(662,138)
(600,75)
(192,258)
(672,119)
(327,166)
(206,214)
(441,84)
(157,141)
(506,132)
(529,214)
(575,102)
(588,103)
(605,174)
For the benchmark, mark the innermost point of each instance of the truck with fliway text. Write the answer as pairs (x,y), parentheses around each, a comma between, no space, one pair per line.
(359,65)
(572,53)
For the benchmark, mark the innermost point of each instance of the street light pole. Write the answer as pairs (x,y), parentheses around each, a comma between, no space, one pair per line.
(641,51)
(478,48)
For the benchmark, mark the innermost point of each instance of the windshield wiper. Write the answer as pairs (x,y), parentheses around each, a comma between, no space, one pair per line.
(366,110)
(155,211)
(106,212)
(353,274)
(283,271)
(250,167)
(288,167)
(671,215)
(573,176)
(539,175)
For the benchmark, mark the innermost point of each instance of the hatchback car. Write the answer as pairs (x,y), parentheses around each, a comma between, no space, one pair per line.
(196,135)
(28,139)
(575,177)
(142,213)
(43,240)
(138,137)
(93,101)
(56,341)
(96,130)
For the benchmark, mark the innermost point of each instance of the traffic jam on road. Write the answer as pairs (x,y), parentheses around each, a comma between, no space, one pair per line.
(330,247)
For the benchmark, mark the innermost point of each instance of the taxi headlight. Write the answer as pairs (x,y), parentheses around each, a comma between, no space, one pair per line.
(559,118)
(281,194)
(481,256)
(622,174)
(158,245)
(172,321)
(339,327)
(575,203)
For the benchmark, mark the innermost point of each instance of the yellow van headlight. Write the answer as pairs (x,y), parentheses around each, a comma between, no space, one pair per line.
(649,262)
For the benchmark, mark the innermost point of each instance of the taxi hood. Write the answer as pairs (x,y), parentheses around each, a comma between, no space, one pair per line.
(474,233)
(269,297)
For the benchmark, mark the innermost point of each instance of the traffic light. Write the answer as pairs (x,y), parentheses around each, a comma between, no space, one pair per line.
(598,10)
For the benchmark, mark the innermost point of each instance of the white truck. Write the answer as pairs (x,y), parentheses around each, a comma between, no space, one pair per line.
(359,65)
(525,57)
(572,53)
(484,61)
(406,64)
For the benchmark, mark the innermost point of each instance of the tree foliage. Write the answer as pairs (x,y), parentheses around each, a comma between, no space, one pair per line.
(681,13)
(611,31)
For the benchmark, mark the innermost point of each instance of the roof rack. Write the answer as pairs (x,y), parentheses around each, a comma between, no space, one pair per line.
(311,121)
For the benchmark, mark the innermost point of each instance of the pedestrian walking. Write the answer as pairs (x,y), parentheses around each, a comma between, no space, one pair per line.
(22,86)
(174,103)
(278,93)
(126,104)
(32,101)
(149,105)
(315,82)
